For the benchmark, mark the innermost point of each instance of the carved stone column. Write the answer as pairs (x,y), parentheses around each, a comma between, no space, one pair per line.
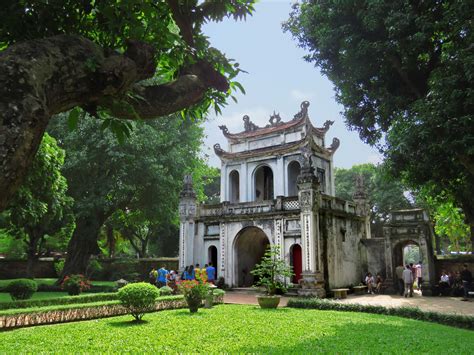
(312,282)
(187,215)
(361,200)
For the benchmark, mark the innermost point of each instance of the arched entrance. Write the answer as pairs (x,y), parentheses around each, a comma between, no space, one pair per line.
(249,247)
(296,262)
(263,183)
(212,256)
(405,252)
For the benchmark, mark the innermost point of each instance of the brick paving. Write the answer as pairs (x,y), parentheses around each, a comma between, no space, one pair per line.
(451,305)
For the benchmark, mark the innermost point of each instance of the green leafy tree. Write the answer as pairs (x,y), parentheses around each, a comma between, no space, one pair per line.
(451,230)
(384,192)
(143,176)
(122,59)
(40,214)
(402,69)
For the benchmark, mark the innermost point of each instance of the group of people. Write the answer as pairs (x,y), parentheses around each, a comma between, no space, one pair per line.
(207,273)
(456,284)
(163,277)
(373,284)
(407,275)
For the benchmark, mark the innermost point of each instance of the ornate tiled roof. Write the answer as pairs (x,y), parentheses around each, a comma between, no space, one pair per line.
(276,125)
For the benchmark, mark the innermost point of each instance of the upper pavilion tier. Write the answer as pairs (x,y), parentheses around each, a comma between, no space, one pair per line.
(277,137)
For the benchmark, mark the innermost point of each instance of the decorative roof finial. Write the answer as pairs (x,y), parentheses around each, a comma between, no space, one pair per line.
(303,112)
(360,192)
(249,125)
(188,190)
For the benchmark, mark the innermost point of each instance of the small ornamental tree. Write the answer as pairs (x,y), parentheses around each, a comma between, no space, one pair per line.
(139,298)
(272,271)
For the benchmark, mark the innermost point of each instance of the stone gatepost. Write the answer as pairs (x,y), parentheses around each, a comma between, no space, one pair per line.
(361,200)
(187,215)
(312,282)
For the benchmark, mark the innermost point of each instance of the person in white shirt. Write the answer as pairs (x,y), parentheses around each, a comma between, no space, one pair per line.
(369,281)
(419,277)
(408,280)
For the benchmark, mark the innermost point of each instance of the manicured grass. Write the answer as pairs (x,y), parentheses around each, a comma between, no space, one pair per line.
(5,297)
(235,328)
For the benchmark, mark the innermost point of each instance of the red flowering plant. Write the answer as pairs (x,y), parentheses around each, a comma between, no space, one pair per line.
(75,284)
(194,291)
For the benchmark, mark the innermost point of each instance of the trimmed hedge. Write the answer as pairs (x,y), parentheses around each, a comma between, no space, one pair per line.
(22,289)
(84,298)
(14,318)
(139,298)
(455,320)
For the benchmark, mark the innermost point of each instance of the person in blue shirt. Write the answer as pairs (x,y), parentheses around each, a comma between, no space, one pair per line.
(162,276)
(191,273)
(211,273)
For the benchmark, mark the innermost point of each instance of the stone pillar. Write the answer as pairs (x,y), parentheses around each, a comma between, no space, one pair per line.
(309,195)
(187,215)
(244,183)
(361,200)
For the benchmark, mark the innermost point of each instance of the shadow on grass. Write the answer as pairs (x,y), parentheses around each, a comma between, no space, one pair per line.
(129,323)
(187,313)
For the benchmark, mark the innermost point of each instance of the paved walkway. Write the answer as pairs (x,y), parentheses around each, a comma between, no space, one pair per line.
(452,305)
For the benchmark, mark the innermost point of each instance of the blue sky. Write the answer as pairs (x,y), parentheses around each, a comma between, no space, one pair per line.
(278,79)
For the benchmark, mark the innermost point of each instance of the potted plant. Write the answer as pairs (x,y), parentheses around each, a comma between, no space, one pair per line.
(194,292)
(270,274)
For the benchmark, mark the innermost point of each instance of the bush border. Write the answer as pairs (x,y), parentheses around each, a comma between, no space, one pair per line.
(454,320)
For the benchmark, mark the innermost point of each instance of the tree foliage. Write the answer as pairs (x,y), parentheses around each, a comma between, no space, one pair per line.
(40,215)
(403,69)
(120,59)
(139,179)
(384,193)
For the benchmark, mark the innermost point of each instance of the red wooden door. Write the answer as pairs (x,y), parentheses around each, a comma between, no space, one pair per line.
(297,263)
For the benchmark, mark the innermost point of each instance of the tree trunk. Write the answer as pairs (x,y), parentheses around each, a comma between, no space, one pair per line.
(82,245)
(41,78)
(31,252)
(110,240)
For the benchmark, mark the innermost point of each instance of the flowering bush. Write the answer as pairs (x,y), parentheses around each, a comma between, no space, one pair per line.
(75,284)
(194,292)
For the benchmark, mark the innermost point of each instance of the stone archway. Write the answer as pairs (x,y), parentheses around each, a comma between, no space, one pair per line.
(249,248)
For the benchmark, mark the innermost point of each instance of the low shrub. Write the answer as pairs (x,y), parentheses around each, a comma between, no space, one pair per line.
(454,320)
(166,291)
(75,284)
(97,297)
(22,289)
(139,298)
(218,292)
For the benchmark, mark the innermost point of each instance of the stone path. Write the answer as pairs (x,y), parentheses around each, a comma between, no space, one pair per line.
(452,305)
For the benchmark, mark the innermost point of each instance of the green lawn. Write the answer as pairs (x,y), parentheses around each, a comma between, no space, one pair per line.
(5,297)
(234,328)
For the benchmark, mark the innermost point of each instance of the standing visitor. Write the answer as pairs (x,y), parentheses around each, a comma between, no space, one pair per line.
(211,273)
(162,276)
(419,276)
(408,280)
(191,273)
(172,280)
(401,285)
(466,278)
(197,272)
(378,283)
(152,276)
(413,271)
(184,275)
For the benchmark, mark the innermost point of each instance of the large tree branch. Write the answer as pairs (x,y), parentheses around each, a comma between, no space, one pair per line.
(44,77)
